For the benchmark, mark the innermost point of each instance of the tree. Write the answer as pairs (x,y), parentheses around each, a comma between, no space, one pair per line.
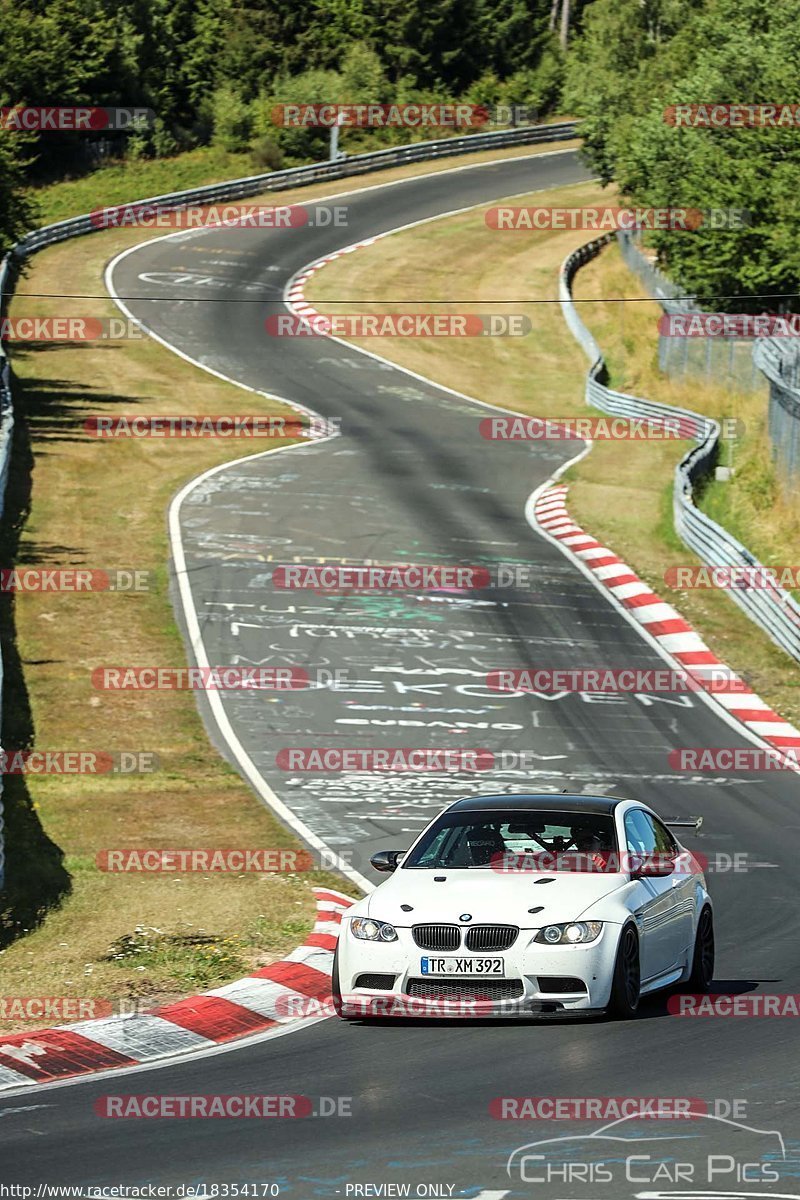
(616,66)
(17,209)
(741,51)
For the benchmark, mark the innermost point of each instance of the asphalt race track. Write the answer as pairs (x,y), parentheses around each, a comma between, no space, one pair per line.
(410,479)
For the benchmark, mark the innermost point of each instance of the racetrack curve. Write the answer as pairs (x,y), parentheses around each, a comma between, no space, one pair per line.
(410,479)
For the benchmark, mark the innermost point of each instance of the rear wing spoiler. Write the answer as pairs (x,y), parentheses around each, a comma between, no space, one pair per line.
(694,824)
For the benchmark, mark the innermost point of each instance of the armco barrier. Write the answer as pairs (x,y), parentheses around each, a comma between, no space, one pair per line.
(6,431)
(238,189)
(773,608)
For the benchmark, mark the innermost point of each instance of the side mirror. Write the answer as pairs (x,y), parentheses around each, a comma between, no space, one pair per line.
(386,860)
(653,866)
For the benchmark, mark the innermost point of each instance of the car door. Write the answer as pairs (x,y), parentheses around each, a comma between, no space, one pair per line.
(684,887)
(656,903)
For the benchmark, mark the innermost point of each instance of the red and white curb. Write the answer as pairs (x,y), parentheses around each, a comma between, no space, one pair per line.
(661,621)
(266,999)
(295,295)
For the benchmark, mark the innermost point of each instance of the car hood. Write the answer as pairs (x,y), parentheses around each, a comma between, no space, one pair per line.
(489,896)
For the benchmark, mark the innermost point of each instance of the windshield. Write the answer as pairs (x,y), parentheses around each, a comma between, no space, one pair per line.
(498,839)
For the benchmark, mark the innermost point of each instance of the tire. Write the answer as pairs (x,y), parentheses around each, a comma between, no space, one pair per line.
(627,979)
(336,989)
(702,971)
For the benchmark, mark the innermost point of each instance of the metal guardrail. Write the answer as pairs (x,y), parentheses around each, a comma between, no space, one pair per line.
(238,189)
(6,433)
(772,608)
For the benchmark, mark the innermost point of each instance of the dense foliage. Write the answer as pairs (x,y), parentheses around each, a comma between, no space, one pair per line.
(635,59)
(213,70)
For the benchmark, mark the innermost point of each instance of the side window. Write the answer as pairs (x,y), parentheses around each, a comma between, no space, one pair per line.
(639,832)
(665,842)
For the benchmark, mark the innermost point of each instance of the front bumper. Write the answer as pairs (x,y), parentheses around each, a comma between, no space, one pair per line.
(536,979)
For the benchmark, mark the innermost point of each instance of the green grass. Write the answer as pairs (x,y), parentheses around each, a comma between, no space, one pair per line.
(121,182)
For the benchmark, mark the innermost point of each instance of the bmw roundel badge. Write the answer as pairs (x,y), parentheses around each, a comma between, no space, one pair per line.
(465,917)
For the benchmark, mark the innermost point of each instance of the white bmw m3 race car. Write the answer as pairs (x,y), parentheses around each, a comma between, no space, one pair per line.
(522,905)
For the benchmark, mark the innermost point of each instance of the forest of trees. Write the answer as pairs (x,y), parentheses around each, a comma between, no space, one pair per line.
(212,70)
(635,58)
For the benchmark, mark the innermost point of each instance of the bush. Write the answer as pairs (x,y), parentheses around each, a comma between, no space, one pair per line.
(137,147)
(231,120)
(266,154)
(163,143)
(303,144)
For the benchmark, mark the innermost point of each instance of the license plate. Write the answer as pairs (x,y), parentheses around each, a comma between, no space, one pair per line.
(461,966)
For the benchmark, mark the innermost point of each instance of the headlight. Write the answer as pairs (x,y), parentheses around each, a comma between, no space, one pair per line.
(373,931)
(571,934)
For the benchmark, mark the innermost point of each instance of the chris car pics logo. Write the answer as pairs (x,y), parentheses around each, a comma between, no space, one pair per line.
(629,1152)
